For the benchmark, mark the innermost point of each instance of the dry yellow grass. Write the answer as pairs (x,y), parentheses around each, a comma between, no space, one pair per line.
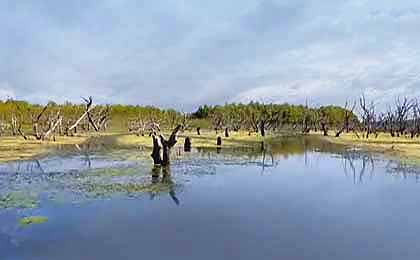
(206,139)
(404,148)
(16,148)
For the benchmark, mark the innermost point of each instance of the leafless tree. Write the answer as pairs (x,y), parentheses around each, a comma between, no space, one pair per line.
(415,121)
(368,116)
(402,109)
(347,120)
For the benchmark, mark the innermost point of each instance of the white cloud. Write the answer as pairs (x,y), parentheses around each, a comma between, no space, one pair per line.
(182,54)
(6,91)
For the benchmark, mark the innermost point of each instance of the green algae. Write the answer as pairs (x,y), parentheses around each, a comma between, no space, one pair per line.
(18,200)
(23,222)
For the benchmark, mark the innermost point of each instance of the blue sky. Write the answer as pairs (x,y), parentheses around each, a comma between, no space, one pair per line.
(179,54)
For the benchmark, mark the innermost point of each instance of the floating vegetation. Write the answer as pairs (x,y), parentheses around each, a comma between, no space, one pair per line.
(19,200)
(128,188)
(113,172)
(23,222)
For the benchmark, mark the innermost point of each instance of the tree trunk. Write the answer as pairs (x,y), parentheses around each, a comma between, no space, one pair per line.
(198,130)
(226,132)
(187,144)
(219,141)
(262,129)
(156,155)
(159,143)
(324,129)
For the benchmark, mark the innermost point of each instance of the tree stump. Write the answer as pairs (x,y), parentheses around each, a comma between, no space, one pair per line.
(219,141)
(187,144)
(198,130)
(162,147)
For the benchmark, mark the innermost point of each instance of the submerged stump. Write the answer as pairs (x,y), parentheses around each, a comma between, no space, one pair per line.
(219,141)
(187,144)
(226,132)
(162,147)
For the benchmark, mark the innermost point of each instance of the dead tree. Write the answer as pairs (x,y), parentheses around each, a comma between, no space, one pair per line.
(36,123)
(389,122)
(368,116)
(402,109)
(348,114)
(53,126)
(89,107)
(162,147)
(415,121)
(42,130)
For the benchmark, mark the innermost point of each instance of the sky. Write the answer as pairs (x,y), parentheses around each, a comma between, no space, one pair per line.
(180,54)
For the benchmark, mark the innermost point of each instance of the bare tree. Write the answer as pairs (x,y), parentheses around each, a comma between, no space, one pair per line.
(89,107)
(415,122)
(347,120)
(368,116)
(402,109)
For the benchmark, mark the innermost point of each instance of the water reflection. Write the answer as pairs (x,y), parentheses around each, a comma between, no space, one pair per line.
(306,199)
(357,164)
(91,174)
(166,180)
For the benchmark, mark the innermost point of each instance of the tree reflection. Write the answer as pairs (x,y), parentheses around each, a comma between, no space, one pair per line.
(161,178)
(357,164)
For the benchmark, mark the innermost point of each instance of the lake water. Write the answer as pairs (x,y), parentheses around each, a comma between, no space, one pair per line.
(300,199)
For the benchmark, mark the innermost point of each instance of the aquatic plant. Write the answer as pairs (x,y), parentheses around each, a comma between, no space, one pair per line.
(26,221)
(18,200)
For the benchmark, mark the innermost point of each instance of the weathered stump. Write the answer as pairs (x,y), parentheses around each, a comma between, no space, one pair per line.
(219,141)
(161,144)
(187,144)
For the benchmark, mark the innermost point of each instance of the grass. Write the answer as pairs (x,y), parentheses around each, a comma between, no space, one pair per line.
(207,139)
(404,148)
(16,148)
(13,148)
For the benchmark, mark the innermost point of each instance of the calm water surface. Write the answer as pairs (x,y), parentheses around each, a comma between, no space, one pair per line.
(301,199)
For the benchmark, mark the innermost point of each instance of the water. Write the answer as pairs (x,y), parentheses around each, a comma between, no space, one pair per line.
(302,199)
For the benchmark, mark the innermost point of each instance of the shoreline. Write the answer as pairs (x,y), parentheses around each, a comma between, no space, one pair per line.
(402,148)
(16,148)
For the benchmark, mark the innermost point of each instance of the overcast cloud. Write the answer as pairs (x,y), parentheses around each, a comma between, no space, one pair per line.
(176,53)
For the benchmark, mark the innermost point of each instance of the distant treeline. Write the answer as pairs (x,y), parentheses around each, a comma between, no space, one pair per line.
(254,117)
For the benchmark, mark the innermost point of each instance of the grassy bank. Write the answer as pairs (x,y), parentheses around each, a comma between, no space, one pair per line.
(206,139)
(16,148)
(403,148)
